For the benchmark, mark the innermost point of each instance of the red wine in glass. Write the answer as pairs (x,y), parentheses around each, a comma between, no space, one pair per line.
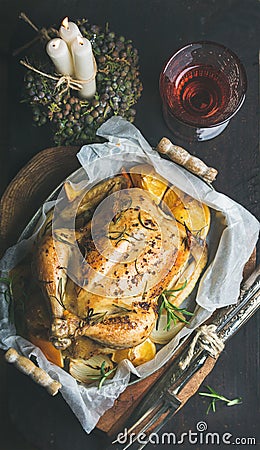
(202,86)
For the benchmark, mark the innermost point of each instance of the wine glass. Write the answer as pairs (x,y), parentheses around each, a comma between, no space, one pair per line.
(202,87)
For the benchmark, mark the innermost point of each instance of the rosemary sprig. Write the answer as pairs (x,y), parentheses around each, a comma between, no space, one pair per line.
(63,239)
(187,239)
(118,232)
(8,281)
(171,310)
(61,294)
(121,235)
(8,295)
(125,205)
(117,217)
(60,290)
(217,397)
(13,306)
(195,233)
(133,237)
(169,291)
(122,308)
(94,318)
(136,268)
(104,374)
(145,290)
(47,227)
(122,239)
(143,224)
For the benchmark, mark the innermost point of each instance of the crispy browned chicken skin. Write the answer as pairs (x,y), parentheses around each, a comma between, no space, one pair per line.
(129,263)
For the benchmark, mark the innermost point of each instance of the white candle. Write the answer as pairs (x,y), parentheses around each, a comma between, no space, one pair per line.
(84,65)
(68,31)
(60,55)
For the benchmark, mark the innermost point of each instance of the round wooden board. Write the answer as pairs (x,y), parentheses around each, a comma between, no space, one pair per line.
(29,189)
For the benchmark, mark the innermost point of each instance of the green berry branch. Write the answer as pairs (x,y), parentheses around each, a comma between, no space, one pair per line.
(74,120)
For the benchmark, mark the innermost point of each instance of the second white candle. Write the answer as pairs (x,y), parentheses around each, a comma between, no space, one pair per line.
(84,66)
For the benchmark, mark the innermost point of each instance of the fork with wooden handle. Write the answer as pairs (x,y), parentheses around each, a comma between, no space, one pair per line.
(161,402)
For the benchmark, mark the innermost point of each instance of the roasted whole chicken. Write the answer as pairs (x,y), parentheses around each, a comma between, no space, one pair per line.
(113,286)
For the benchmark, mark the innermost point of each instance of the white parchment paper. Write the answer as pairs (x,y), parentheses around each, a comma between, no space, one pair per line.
(236,230)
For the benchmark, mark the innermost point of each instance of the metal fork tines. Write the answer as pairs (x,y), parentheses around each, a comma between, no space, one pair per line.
(136,436)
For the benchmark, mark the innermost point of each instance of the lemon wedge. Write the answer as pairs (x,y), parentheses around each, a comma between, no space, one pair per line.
(194,214)
(145,177)
(137,355)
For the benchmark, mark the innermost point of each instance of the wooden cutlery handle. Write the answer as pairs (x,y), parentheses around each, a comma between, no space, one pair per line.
(26,366)
(180,156)
(192,386)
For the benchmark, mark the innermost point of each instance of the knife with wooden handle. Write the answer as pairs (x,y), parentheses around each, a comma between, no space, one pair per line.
(161,402)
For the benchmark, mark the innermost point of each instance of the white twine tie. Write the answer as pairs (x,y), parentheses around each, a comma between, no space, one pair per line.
(70,83)
(207,339)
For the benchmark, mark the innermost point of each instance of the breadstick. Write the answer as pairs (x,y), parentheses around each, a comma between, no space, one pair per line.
(185,159)
(26,366)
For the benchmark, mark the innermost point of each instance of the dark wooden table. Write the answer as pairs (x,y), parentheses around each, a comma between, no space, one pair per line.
(158,28)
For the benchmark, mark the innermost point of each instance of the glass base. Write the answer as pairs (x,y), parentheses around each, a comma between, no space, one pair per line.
(189,133)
